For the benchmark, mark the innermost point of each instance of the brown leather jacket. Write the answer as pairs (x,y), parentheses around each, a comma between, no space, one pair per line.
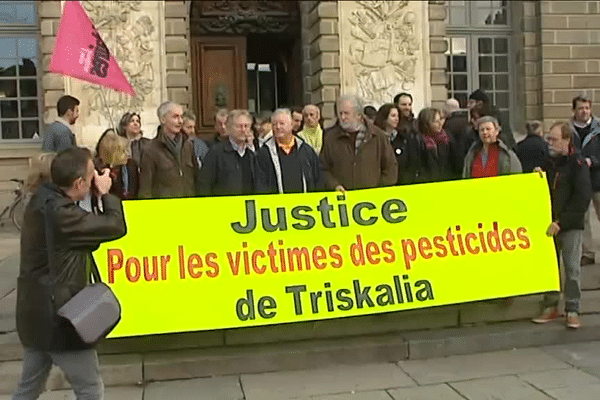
(76,234)
(161,174)
(375,164)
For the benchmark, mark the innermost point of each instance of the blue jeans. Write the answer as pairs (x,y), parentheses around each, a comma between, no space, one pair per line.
(568,245)
(80,367)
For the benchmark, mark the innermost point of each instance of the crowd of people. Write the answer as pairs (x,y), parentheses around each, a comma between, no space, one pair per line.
(289,151)
(77,193)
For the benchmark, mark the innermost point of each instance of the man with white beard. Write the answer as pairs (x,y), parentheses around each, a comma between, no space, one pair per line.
(355,153)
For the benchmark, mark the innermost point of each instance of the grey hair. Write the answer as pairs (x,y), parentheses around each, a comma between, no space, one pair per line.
(221,113)
(285,111)
(488,118)
(188,115)
(534,128)
(234,115)
(164,108)
(357,102)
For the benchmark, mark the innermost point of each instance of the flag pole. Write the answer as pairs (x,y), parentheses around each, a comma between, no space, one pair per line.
(110,118)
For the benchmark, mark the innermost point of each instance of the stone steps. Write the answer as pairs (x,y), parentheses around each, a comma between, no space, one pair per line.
(142,368)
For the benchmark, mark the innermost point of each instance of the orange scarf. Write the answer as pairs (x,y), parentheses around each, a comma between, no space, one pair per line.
(287,147)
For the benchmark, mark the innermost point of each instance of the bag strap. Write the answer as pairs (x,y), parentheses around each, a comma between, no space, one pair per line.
(49,232)
(94,270)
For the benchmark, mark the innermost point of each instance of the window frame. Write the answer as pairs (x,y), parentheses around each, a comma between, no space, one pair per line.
(19,31)
(472,33)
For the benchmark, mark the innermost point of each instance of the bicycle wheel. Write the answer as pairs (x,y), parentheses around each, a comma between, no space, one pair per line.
(17,211)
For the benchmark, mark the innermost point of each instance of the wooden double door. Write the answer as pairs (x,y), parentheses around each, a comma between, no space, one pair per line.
(257,72)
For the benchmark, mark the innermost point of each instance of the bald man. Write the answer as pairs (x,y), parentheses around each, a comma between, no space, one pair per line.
(312,133)
(461,137)
(451,106)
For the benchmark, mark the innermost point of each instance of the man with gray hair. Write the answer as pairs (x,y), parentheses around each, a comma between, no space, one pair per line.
(189,128)
(287,163)
(230,166)
(220,127)
(355,153)
(169,167)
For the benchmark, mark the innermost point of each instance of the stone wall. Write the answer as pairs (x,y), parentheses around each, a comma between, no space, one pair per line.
(178,58)
(53,86)
(527,72)
(570,44)
(320,26)
(437,48)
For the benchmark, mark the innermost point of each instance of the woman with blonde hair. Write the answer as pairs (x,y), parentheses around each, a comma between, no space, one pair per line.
(112,153)
(39,172)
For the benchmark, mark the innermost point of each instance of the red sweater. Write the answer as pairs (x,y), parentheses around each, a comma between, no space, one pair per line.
(491,168)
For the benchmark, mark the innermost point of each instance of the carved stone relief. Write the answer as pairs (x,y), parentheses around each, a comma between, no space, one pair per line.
(243,17)
(132,33)
(384,48)
(127,31)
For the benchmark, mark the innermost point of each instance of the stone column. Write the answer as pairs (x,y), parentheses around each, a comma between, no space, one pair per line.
(384,50)
(53,85)
(177,46)
(324,80)
(437,48)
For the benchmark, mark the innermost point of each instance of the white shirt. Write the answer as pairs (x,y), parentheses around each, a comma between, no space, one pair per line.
(263,140)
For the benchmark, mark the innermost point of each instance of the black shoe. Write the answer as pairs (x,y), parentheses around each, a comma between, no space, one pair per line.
(585,260)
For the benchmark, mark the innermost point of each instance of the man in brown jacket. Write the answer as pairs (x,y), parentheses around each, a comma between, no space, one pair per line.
(169,168)
(356,154)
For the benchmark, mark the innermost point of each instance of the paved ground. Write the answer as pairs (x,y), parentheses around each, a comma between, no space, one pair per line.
(566,372)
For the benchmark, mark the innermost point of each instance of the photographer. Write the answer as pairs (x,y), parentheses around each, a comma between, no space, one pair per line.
(53,211)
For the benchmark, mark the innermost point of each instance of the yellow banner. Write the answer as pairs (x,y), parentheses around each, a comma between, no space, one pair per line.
(225,262)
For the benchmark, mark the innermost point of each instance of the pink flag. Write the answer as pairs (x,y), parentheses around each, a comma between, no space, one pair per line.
(81,53)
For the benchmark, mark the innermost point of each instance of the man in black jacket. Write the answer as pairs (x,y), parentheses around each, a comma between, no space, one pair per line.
(53,212)
(533,150)
(461,137)
(587,141)
(287,164)
(571,190)
(230,166)
(481,99)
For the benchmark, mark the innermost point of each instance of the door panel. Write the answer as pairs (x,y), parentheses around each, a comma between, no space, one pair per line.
(219,77)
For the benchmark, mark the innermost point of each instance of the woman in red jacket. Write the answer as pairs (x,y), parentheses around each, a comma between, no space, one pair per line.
(489,156)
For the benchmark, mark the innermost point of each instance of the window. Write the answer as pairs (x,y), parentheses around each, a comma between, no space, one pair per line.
(19,60)
(262,87)
(478,54)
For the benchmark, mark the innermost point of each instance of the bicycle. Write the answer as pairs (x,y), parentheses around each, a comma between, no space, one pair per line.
(16,209)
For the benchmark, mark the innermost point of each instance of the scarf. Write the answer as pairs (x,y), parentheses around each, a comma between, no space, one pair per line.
(175,145)
(361,138)
(287,147)
(432,142)
(313,137)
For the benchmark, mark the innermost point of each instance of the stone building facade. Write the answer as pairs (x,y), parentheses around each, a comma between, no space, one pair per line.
(531,56)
